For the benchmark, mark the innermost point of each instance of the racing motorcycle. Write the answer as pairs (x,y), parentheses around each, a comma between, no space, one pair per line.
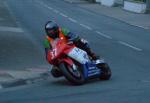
(75,64)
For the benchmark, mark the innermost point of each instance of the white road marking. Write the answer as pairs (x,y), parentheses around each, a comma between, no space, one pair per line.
(73,20)
(11,29)
(85,26)
(128,45)
(44,5)
(104,35)
(50,8)
(63,15)
(56,11)
(146,81)
(10,11)
(139,26)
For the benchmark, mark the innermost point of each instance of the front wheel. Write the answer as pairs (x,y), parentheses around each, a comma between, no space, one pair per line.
(72,73)
(106,72)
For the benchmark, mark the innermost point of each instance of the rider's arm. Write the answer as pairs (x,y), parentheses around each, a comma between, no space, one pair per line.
(71,36)
(47,47)
(47,44)
(75,38)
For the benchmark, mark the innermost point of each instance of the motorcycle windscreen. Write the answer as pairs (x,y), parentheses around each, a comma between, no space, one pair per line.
(79,55)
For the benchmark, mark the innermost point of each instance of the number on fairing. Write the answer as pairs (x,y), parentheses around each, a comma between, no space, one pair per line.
(53,53)
(79,55)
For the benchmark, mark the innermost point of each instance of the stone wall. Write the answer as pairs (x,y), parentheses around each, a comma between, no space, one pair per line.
(119,1)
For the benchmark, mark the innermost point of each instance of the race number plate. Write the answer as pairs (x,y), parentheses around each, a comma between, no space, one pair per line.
(79,55)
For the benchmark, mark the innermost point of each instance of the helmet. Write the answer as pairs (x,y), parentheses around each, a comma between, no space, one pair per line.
(52,29)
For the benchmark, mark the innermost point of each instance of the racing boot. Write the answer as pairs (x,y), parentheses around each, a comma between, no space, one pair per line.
(92,54)
(95,57)
(56,72)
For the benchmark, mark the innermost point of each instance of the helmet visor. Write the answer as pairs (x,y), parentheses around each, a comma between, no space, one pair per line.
(53,33)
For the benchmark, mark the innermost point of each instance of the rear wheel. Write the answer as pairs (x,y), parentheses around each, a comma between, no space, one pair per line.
(72,73)
(106,72)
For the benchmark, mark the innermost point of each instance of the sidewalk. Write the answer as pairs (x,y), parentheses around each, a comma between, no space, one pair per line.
(12,78)
(139,20)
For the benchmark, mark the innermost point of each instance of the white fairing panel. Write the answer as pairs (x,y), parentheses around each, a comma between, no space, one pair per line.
(79,55)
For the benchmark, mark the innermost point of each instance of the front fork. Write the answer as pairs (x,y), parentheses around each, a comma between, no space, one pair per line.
(90,70)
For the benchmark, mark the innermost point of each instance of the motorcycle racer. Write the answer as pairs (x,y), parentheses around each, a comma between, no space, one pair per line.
(53,31)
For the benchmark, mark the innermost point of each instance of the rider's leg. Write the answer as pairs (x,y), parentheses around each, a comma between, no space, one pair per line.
(83,44)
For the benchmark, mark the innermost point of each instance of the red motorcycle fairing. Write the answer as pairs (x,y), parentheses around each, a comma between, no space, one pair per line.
(66,51)
(56,59)
(68,61)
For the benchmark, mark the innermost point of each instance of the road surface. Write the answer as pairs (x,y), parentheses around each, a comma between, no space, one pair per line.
(125,48)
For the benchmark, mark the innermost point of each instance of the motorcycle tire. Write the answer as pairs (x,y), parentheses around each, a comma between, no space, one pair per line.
(56,73)
(106,71)
(69,75)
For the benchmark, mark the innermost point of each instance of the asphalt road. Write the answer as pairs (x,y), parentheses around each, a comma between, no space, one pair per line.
(125,48)
(18,50)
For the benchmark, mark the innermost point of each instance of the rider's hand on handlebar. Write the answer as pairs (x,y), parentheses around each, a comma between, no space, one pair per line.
(70,42)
